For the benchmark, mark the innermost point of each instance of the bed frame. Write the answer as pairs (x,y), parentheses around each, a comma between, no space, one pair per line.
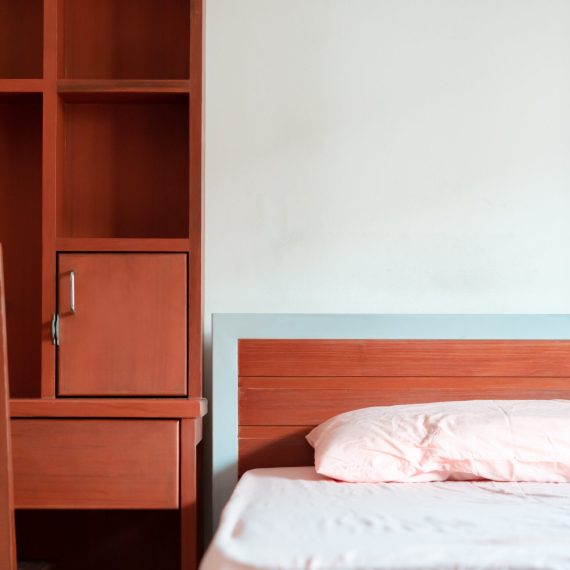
(286,387)
(277,376)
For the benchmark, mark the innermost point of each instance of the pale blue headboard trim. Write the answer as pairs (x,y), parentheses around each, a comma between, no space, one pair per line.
(228,328)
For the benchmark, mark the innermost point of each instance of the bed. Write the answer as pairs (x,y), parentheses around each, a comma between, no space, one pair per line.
(290,517)
(282,514)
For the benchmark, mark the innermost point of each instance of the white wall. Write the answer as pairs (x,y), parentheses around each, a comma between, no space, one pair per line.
(387,156)
(382,156)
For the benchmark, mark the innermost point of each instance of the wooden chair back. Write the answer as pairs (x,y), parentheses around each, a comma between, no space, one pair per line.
(7,524)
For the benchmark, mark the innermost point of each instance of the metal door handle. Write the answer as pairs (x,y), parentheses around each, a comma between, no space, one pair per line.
(72,292)
(55,330)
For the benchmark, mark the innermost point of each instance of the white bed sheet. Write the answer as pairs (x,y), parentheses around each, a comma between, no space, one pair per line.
(292,518)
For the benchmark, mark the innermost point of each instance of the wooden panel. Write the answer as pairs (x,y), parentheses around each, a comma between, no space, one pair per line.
(20,234)
(80,90)
(117,39)
(129,333)
(19,86)
(109,408)
(196,216)
(273,406)
(21,38)
(189,493)
(125,170)
(273,446)
(404,358)
(122,244)
(52,159)
(7,529)
(472,384)
(95,464)
(285,386)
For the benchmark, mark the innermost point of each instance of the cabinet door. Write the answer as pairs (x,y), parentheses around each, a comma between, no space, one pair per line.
(122,324)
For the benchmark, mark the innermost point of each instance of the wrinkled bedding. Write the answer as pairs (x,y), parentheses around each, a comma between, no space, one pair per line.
(292,518)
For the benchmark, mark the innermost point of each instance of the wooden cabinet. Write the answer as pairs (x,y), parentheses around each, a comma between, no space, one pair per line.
(122,324)
(139,473)
(101,168)
(101,152)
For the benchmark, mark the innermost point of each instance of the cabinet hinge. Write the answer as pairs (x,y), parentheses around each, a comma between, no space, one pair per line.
(55,329)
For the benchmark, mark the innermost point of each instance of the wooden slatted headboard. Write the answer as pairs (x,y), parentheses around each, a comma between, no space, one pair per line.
(286,387)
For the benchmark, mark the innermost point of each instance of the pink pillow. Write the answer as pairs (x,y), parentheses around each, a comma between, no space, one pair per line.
(501,440)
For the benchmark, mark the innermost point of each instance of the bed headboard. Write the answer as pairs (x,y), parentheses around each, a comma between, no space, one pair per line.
(286,387)
(333,363)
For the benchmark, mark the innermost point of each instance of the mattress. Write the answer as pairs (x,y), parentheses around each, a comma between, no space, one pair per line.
(292,518)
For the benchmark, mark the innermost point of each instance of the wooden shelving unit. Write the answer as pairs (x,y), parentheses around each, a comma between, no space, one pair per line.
(101,156)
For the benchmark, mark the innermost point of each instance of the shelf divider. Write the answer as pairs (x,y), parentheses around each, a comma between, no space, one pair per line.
(123,244)
(116,89)
(17,86)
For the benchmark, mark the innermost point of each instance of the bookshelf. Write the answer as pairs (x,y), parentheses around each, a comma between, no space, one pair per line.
(101,178)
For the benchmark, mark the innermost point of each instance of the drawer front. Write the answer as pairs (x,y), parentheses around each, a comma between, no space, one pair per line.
(96,464)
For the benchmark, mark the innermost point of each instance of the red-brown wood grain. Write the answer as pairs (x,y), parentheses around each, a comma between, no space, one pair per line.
(142,40)
(52,147)
(140,245)
(196,202)
(21,38)
(188,494)
(83,90)
(7,528)
(125,169)
(128,334)
(548,358)
(302,407)
(96,464)
(273,446)
(20,86)
(120,539)
(287,386)
(109,408)
(405,383)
